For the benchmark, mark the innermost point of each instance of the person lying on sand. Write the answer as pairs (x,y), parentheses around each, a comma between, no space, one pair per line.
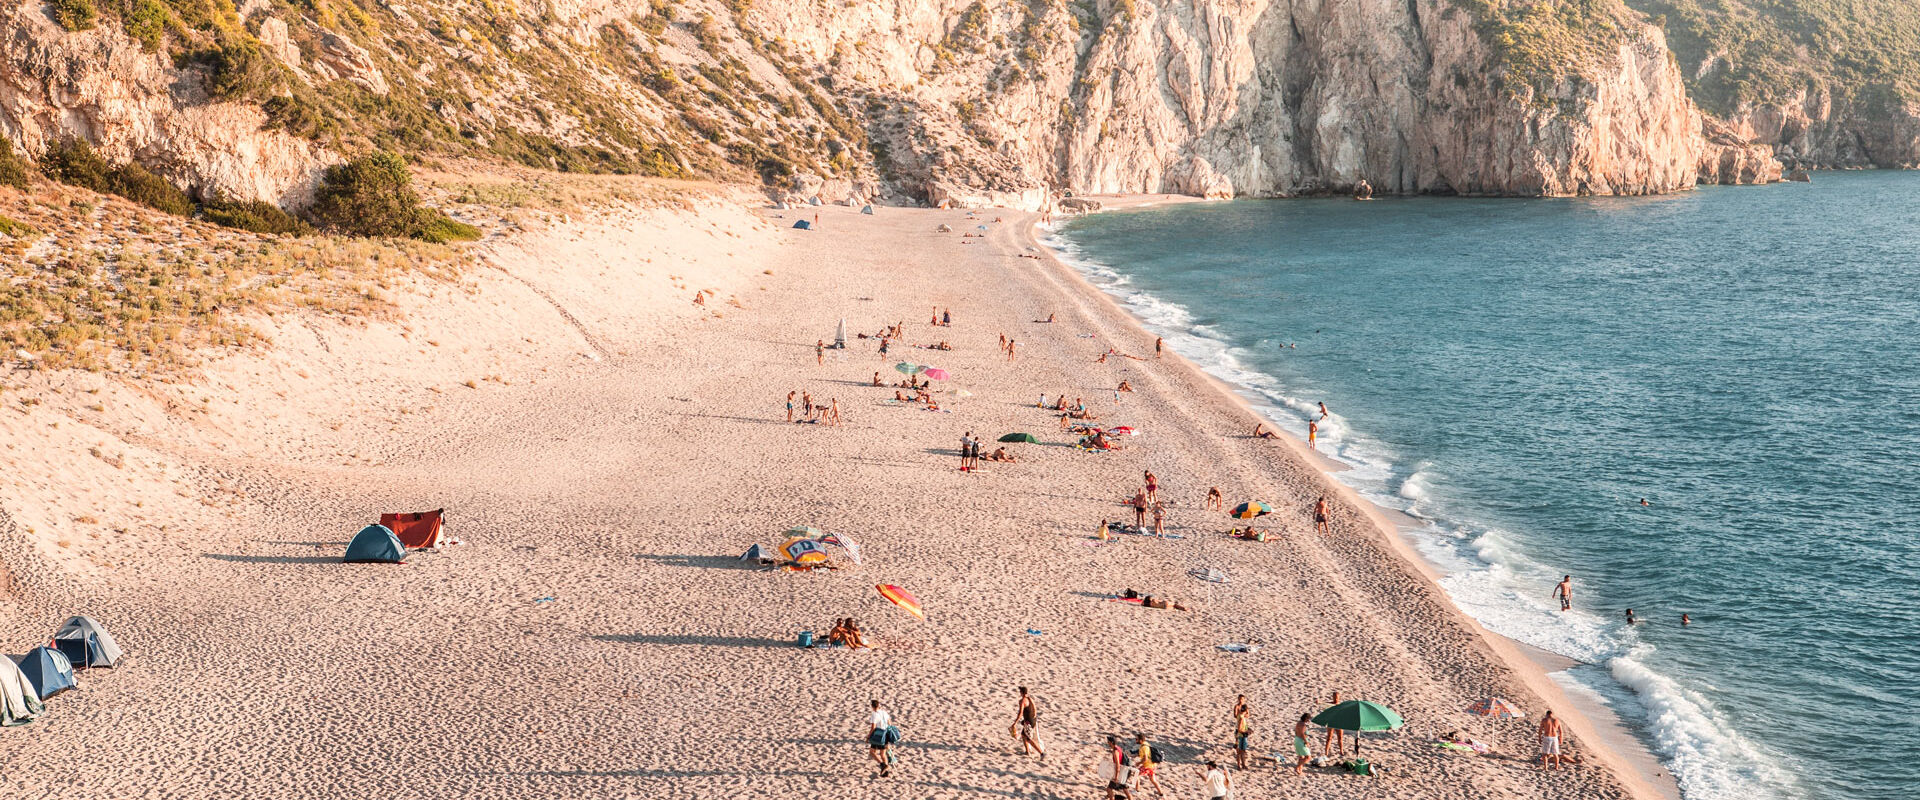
(1001,454)
(1125,387)
(1149,601)
(898,397)
(1260,432)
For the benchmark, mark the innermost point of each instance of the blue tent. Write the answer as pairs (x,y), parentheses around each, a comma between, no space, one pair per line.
(86,642)
(867,209)
(376,543)
(814,200)
(803,225)
(49,671)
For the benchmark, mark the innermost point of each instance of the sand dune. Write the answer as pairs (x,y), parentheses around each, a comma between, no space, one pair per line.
(619,445)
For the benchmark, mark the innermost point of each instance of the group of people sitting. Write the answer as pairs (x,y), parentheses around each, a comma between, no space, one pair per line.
(1098,440)
(919,396)
(846,633)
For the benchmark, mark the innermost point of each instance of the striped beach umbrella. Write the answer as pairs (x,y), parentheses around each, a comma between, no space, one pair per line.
(908,368)
(1251,509)
(1496,707)
(902,598)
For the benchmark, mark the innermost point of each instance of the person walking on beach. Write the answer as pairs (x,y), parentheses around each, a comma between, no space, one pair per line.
(1158,343)
(1300,754)
(1149,761)
(1214,502)
(1242,730)
(1336,741)
(1011,345)
(1323,522)
(878,748)
(1217,784)
(790,406)
(1564,591)
(1549,741)
(1117,762)
(1027,718)
(820,351)
(883,347)
(833,411)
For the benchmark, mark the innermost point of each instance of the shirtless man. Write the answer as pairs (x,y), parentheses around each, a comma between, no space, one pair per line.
(1242,729)
(1139,503)
(1564,592)
(1549,741)
(1260,431)
(1323,519)
(1313,432)
(1214,501)
(1158,344)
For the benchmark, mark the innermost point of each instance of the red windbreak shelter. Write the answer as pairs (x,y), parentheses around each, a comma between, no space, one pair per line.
(416,530)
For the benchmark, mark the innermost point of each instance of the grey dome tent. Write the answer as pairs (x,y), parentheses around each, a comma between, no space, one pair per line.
(867,209)
(803,225)
(49,671)
(86,643)
(814,200)
(756,554)
(18,703)
(375,544)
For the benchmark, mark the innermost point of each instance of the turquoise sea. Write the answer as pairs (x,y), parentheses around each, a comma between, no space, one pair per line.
(1519,374)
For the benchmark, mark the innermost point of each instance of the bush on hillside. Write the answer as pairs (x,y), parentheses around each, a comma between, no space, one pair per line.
(238,69)
(373,196)
(13,168)
(74,162)
(74,15)
(254,215)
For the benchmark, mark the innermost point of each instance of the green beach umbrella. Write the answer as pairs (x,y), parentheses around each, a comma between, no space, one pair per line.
(1252,509)
(908,368)
(1020,437)
(1357,716)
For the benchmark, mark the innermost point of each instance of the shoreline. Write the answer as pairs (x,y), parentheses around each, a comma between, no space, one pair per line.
(1591,719)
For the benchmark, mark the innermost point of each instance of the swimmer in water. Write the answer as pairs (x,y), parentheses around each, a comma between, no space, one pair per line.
(1630,619)
(1685,620)
(1643,501)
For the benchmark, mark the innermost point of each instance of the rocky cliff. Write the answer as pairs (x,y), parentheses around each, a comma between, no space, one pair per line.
(959,101)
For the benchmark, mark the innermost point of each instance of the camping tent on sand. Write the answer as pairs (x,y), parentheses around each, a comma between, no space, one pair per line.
(803,224)
(375,544)
(18,702)
(86,643)
(49,671)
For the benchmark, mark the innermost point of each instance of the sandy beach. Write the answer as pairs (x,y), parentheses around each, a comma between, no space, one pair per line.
(606,446)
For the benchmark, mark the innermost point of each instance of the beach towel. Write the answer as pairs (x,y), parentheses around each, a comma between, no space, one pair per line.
(1237,647)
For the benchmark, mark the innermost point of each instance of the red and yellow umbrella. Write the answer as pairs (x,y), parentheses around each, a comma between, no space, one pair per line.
(902,598)
(1496,707)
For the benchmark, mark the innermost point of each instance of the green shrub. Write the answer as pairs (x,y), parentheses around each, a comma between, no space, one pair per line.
(17,229)
(74,162)
(13,168)
(146,22)
(254,215)
(298,116)
(74,15)
(373,196)
(237,69)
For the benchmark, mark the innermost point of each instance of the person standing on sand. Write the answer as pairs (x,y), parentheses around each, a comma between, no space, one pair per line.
(1011,345)
(1003,347)
(1300,754)
(1027,717)
(1323,522)
(1158,343)
(1564,592)
(790,404)
(1159,518)
(820,351)
(883,347)
(1336,742)
(1313,432)
(1149,760)
(878,748)
(833,412)
(806,403)
(1217,784)
(966,449)
(1214,502)
(1139,503)
(1242,730)
(1549,741)
(946,318)
(1153,485)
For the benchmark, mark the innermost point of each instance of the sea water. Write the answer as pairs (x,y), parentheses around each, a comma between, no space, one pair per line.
(1520,374)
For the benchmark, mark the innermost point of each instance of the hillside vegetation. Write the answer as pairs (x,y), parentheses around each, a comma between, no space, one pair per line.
(1761,51)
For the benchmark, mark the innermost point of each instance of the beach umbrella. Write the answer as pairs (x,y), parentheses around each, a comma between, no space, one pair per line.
(840,334)
(902,598)
(906,368)
(804,550)
(1496,707)
(1121,431)
(935,373)
(1020,437)
(1357,716)
(804,530)
(1251,510)
(959,393)
(843,542)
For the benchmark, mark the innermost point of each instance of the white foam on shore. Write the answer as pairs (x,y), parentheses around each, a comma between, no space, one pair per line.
(1486,573)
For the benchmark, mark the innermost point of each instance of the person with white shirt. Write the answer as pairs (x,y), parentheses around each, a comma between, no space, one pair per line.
(877,744)
(1217,783)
